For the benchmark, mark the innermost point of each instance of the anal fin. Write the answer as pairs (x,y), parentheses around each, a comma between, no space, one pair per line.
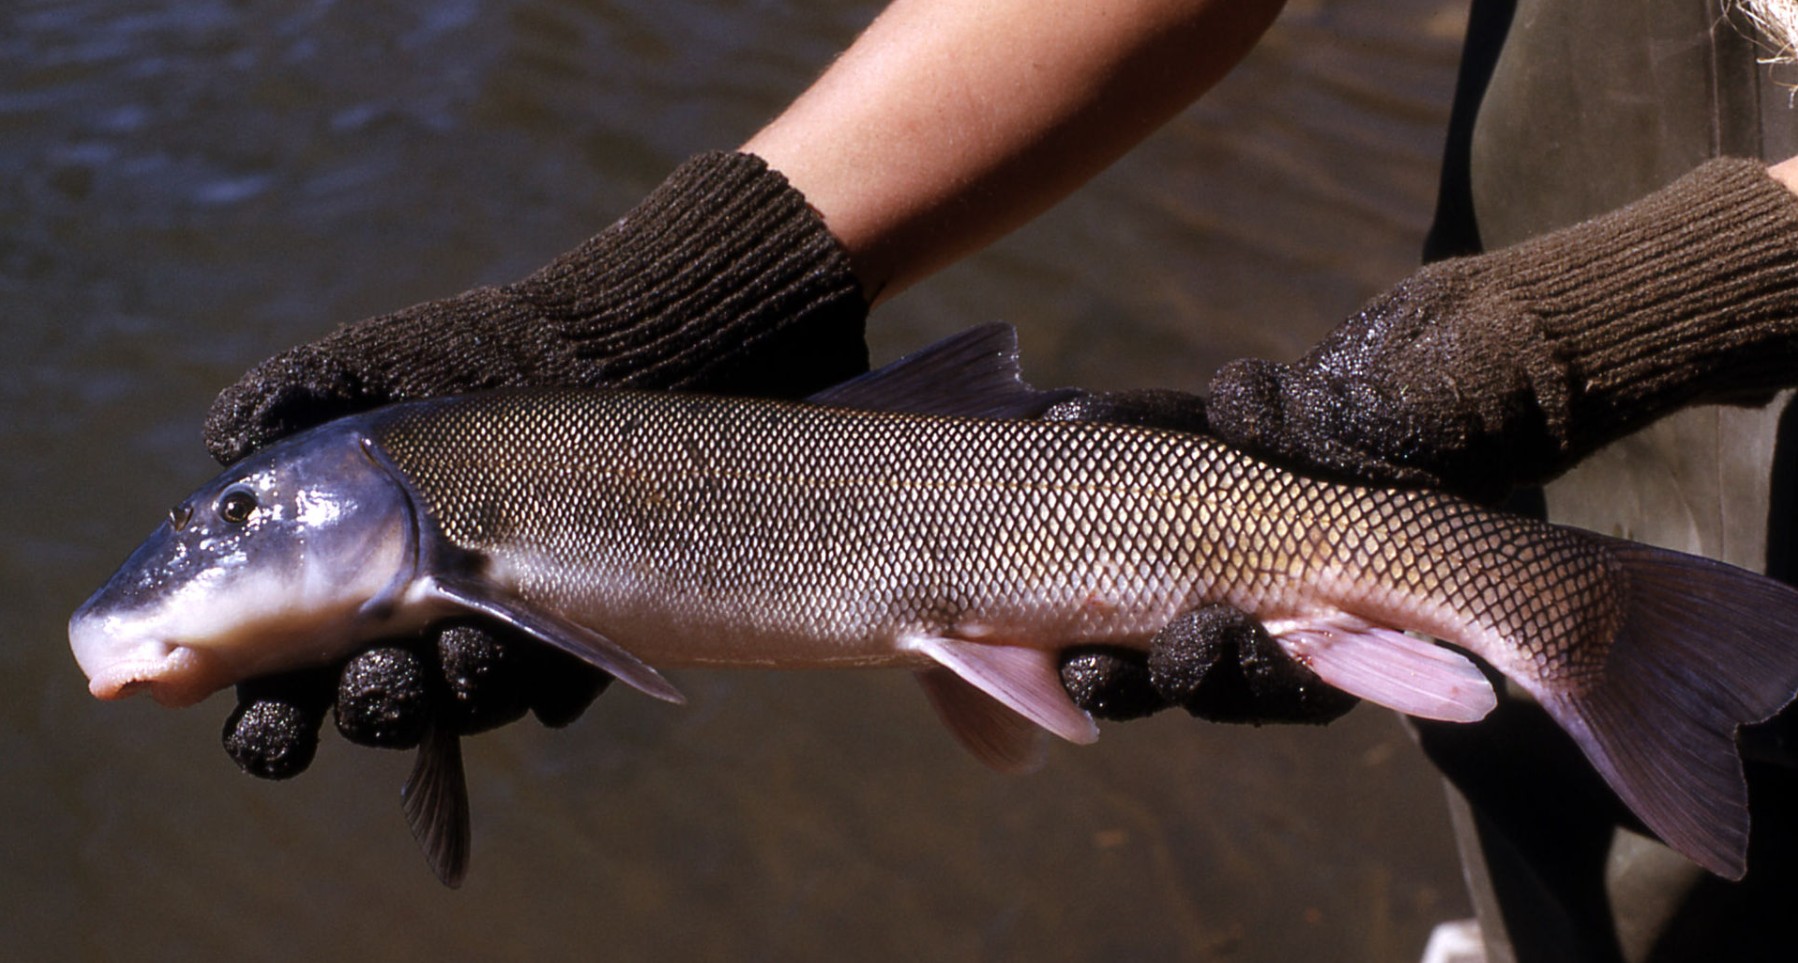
(1386,666)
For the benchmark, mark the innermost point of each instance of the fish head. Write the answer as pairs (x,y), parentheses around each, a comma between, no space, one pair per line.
(284,560)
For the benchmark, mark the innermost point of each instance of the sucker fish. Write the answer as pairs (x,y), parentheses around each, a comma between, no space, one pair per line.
(923,517)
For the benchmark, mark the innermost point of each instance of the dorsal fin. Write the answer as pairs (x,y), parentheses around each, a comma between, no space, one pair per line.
(973,374)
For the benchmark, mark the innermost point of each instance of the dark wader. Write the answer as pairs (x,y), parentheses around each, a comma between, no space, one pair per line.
(1565,110)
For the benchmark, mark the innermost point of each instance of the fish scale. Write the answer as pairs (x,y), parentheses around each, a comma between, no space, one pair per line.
(831,531)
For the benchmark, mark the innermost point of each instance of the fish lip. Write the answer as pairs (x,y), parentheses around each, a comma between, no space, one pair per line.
(174,675)
(122,678)
(120,682)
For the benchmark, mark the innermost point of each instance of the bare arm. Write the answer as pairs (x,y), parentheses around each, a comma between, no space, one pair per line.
(1786,172)
(949,123)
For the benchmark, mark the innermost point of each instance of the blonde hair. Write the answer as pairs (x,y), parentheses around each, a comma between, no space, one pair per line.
(1777,21)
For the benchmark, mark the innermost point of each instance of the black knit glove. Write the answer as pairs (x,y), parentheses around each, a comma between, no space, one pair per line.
(1215,662)
(1485,373)
(722,280)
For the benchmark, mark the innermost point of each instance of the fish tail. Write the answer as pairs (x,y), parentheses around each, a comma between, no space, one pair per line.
(1703,648)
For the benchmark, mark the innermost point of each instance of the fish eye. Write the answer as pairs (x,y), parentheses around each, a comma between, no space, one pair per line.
(236,505)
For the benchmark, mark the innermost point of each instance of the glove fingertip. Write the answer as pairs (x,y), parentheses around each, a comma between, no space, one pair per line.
(229,432)
(483,679)
(283,395)
(382,700)
(560,686)
(272,739)
(1109,684)
(1247,402)
(558,706)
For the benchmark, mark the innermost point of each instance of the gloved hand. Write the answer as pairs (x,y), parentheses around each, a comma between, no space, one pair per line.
(1486,373)
(1215,662)
(1478,375)
(722,280)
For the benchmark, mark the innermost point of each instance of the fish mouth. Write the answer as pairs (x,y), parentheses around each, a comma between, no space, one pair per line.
(171,673)
(179,677)
(120,679)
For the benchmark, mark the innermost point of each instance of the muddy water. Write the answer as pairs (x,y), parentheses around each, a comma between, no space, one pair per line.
(186,186)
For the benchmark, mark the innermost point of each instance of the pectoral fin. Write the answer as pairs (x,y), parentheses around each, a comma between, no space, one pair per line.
(435,800)
(1024,680)
(1386,666)
(552,629)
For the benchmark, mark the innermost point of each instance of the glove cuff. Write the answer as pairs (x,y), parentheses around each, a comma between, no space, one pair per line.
(723,279)
(1686,295)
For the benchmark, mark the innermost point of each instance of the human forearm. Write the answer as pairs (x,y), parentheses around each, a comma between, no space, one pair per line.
(1786,172)
(950,123)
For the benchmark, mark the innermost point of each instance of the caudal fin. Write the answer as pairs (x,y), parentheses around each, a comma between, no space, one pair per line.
(1704,649)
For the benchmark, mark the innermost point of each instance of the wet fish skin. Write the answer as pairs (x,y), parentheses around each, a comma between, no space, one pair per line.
(710,531)
(911,519)
(702,531)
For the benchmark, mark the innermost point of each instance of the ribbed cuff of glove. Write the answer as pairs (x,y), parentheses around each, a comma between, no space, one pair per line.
(721,263)
(724,279)
(1689,294)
